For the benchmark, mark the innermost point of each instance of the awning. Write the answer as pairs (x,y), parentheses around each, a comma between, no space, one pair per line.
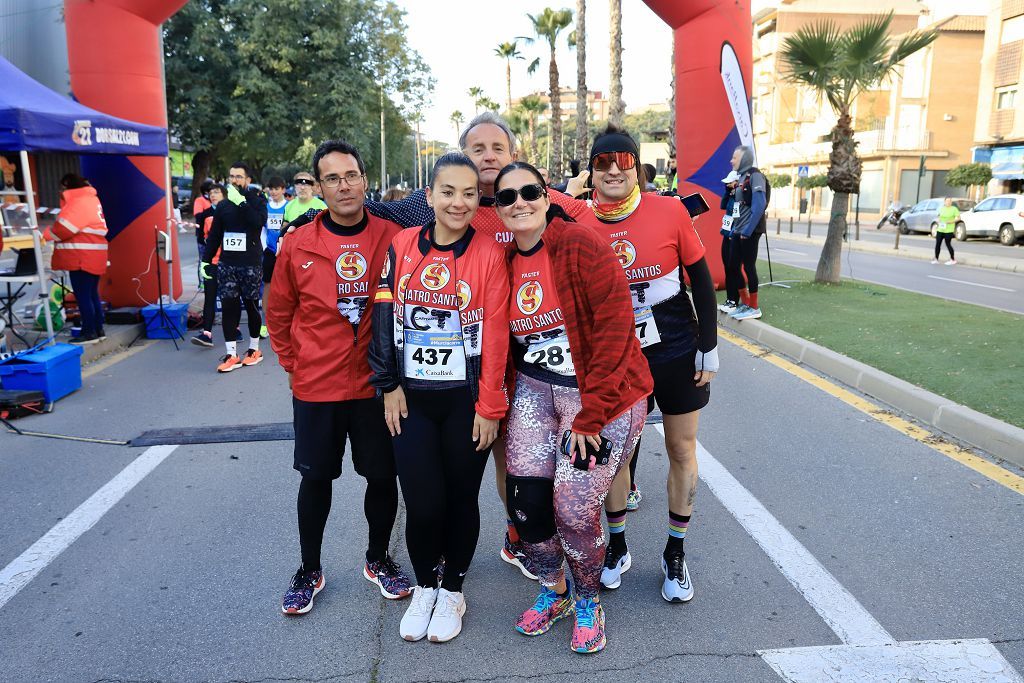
(1007,162)
(34,118)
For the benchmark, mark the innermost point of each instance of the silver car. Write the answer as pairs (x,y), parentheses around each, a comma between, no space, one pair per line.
(923,216)
(1001,216)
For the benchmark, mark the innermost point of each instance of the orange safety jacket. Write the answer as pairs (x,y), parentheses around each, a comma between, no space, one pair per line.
(81,233)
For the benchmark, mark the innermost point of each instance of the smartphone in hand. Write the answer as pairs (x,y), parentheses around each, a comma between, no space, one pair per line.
(695,204)
(600,456)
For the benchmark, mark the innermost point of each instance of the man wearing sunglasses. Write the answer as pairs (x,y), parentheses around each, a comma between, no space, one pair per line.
(304,200)
(655,242)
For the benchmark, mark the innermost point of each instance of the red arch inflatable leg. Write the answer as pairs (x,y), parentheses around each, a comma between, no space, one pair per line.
(713,78)
(116,67)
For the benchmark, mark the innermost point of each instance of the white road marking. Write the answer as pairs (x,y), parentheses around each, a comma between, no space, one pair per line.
(27,566)
(790,251)
(836,606)
(950,661)
(868,652)
(973,284)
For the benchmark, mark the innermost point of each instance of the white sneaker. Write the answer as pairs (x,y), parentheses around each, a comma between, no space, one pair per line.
(935,261)
(951,262)
(446,623)
(677,586)
(728,307)
(611,576)
(417,616)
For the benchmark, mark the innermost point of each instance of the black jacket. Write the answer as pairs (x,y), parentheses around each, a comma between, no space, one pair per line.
(249,217)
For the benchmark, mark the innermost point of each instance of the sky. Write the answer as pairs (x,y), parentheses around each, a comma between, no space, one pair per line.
(460,58)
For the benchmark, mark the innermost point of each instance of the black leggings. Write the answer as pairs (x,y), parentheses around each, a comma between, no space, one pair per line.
(744,253)
(946,237)
(632,464)
(380,505)
(440,472)
(210,301)
(231,312)
(733,277)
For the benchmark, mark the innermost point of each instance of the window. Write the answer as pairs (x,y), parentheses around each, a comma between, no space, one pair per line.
(987,205)
(1004,204)
(1013,30)
(1005,97)
(933,205)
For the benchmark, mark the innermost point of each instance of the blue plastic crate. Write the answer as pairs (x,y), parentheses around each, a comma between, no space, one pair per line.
(54,370)
(174,326)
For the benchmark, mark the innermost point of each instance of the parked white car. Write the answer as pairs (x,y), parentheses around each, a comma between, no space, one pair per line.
(1001,217)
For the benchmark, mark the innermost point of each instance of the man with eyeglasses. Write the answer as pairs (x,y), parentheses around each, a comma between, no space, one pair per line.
(236,230)
(304,200)
(320,326)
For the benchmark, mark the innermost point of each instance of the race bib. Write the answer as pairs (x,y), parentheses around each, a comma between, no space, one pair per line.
(233,241)
(275,221)
(552,355)
(736,209)
(433,345)
(726,223)
(645,326)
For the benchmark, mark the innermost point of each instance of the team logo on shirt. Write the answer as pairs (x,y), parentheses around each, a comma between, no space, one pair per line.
(529,296)
(350,265)
(386,270)
(464,293)
(403,284)
(435,276)
(625,251)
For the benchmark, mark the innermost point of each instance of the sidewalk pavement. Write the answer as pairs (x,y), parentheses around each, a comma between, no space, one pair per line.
(1005,264)
(993,436)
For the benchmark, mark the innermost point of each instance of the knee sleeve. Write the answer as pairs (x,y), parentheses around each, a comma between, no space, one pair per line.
(531,507)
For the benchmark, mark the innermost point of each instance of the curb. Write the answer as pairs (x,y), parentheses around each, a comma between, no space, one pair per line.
(118,338)
(1006,265)
(993,436)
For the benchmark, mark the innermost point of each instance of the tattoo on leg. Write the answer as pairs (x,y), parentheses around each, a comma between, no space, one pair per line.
(692,495)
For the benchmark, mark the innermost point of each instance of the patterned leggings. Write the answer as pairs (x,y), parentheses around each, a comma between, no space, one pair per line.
(540,413)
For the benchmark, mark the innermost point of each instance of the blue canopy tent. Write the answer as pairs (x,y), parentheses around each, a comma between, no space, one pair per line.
(34,118)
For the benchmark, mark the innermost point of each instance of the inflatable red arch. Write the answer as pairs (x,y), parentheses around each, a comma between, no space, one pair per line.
(116,66)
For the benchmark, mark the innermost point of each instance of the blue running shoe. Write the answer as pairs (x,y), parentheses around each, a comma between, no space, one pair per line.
(304,587)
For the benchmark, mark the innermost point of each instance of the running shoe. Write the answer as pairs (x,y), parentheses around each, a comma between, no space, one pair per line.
(446,621)
(388,575)
(588,634)
(742,308)
(951,262)
(728,307)
(677,586)
(749,314)
(549,608)
(514,555)
(252,357)
(416,620)
(203,339)
(633,500)
(935,261)
(264,332)
(615,565)
(304,587)
(83,339)
(229,363)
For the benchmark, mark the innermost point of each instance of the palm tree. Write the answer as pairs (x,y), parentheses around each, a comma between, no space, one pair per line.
(616,109)
(487,104)
(838,66)
(456,118)
(547,25)
(476,92)
(508,52)
(579,37)
(533,106)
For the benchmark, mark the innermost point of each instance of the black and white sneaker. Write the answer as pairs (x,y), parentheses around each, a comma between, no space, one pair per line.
(83,339)
(677,586)
(203,339)
(615,565)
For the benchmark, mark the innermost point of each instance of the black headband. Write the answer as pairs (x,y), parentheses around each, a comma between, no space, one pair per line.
(615,142)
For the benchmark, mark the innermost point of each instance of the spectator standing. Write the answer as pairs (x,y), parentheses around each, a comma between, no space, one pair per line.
(748,224)
(202,212)
(304,199)
(948,216)
(81,234)
(205,338)
(734,281)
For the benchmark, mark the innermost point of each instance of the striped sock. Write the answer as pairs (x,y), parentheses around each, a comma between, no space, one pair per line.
(677,525)
(616,531)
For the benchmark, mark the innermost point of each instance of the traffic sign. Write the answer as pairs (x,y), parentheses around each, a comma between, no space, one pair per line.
(802,171)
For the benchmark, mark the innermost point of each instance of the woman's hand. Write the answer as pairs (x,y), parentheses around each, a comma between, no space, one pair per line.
(579,442)
(702,377)
(485,431)
(395,408)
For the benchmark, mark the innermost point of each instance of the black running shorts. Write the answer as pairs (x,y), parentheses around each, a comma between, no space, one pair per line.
(239,281)
(321,429)
(674,389)
(269,259)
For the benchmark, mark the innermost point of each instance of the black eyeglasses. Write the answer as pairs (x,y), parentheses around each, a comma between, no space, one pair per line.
(529,193)
(304,181)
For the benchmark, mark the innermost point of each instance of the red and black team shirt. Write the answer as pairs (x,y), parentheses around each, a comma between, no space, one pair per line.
(541,349)
(653,244)
(350,250)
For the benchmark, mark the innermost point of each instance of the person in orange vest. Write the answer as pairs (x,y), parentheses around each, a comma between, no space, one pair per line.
(81,250)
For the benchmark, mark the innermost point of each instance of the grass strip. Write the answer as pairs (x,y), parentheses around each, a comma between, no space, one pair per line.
(968,354)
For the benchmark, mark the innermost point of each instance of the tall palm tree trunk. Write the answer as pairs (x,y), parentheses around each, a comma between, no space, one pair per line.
(508,86)
(617,110)
(843,179)
(555,143)
(582,105)
(533,140)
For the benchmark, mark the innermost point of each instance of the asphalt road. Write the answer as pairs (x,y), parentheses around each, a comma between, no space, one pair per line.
(981,286)
(815,526)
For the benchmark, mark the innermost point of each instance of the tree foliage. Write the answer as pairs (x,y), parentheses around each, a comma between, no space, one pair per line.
(266,81)
(811,181)
(969,175)
(777,180)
